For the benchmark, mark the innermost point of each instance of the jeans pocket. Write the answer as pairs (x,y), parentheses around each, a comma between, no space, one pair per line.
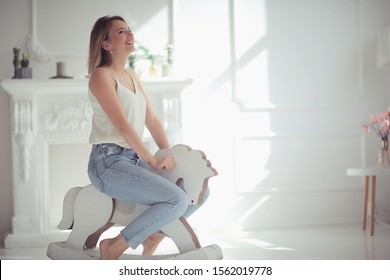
(111,149)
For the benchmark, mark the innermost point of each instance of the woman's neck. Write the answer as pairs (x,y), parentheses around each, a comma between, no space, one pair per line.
(117,67)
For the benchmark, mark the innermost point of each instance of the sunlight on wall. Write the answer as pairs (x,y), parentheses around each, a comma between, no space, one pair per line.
(252,82)
(251,45)
(250,24)
(224,49)
(251,163)
(147,35)
(251,93)
(202,40)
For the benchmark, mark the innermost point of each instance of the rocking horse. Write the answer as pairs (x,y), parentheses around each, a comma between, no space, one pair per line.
(89,213)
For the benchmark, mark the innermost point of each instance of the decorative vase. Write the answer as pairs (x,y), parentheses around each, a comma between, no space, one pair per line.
(166,70)
(24,73)
(153,72)
(383,154)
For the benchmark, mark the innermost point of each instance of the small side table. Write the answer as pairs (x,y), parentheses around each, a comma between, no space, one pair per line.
(369,173)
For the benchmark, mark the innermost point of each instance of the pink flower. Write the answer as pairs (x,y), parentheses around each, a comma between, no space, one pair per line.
(384,116)
(374,119)
(385,127)
(380,124)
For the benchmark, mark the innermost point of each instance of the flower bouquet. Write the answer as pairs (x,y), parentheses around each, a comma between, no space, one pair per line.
(380,124)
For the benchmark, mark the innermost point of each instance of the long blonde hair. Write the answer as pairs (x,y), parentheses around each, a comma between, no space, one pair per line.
(97,55)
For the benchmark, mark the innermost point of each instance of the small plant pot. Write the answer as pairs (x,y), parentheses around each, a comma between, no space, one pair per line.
(24,73)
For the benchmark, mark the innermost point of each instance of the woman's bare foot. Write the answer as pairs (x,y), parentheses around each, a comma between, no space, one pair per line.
(112,248)
(151,243)
(104,249)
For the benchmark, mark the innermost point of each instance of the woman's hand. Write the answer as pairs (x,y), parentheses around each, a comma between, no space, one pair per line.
(164,163)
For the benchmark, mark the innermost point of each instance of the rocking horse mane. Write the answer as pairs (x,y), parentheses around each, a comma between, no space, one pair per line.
(192,170)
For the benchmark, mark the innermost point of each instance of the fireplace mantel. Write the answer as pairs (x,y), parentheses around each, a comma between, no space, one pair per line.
(57,111)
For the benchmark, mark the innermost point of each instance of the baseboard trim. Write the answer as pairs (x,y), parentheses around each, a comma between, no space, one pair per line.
(33,240)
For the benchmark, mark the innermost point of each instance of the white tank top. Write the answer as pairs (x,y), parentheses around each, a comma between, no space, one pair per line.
(134,106)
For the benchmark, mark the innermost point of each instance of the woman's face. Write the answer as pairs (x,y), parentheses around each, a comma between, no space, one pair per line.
(120,38)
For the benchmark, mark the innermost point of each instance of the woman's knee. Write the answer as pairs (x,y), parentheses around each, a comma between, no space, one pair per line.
(181,201)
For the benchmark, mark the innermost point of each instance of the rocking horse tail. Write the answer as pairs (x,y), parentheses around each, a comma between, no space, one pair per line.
(68,209)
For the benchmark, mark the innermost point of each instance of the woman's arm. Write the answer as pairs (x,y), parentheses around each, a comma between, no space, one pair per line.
(103,87)
(152,122)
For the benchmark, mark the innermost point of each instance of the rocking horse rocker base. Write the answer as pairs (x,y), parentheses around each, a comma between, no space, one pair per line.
(89,213)
(60,251)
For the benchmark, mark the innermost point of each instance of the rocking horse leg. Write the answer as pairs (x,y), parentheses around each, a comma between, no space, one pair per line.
(191,232)
(182,235)
(188,244)
(68,208)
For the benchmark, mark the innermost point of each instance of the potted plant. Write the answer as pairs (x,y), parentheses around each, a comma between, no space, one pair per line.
(24,72)
(167,67)
(148,55)
(24,62)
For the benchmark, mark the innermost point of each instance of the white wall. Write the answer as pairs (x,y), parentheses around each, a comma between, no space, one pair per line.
(277,102)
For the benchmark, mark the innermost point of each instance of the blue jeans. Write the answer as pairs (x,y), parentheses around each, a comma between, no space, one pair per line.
(121,174)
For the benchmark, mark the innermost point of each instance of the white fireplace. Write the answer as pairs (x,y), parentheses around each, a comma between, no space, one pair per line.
(47,114)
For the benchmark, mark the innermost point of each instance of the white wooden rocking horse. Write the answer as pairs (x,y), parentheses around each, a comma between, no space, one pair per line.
(89,213)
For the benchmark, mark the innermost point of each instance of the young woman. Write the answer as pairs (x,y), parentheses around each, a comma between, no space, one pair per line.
(120,165)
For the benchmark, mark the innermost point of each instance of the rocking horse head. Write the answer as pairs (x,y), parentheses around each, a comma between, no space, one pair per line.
(192,171)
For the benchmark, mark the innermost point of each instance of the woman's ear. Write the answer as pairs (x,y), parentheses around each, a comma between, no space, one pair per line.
(106,46)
